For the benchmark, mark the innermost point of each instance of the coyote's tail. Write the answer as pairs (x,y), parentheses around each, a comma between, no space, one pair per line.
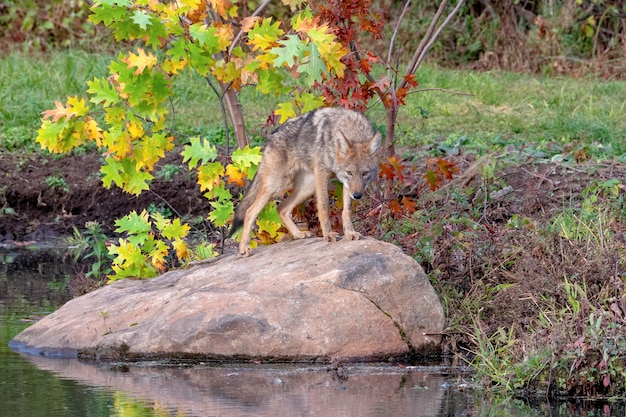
(244,204)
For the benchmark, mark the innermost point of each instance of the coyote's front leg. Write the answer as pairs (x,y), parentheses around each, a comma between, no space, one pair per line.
(346,217)
(321,192)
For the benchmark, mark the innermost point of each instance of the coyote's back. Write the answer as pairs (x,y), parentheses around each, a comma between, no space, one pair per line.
(303,154)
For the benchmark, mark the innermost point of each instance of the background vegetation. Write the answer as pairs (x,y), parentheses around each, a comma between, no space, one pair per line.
(526,244)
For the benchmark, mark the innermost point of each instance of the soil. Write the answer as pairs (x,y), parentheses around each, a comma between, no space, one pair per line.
(32,208)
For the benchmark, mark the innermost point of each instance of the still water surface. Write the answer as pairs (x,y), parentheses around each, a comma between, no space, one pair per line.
(34,282)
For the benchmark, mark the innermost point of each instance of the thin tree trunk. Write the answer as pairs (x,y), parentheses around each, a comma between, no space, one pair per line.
(392,116)
(235,113)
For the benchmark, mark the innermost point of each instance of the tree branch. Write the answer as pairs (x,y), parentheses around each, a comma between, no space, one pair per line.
(393,37)
(437,33)
(240,34)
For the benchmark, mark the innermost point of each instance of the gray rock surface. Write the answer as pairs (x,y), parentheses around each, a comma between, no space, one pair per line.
(304,300)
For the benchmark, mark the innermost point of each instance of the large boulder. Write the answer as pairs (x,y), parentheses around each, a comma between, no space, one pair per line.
(304,300)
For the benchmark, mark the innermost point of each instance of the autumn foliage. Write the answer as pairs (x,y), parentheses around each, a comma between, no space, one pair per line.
(312,61)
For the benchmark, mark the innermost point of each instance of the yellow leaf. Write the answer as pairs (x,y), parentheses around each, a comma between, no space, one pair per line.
(285,111)
(235,176)
(93,131)
(119,144)
(209,175)
(181,248)
(226,35)
(135,130)
(173,66)
(224,8)
(141,61)
(77,106)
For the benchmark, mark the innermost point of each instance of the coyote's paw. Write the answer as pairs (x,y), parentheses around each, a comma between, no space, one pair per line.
(303,234)
(245,250)
(332,237)
(352,235)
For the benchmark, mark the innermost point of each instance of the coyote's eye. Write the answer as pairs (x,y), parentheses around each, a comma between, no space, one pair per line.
(349,173)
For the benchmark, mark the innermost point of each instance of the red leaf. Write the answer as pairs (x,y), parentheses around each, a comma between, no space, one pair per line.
(394,206)
(433,180)
(408,205)
(411,80)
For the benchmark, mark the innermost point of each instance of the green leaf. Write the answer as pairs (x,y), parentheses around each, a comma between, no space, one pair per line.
(286,111)
(138,182)
(142,19)
(314,68)
(247,157)
(102,92)
(309,102)
(207,38)
(198,150)
(263,36)
(199,59)
(158,31)
(55,136)
(125,175)
(106,13)
(219,192)
(222,212)
(292,50)
(133,223)
(175,230)
(272,82)
(111,170)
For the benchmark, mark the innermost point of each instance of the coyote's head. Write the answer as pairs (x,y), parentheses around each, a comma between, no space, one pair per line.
(356,163)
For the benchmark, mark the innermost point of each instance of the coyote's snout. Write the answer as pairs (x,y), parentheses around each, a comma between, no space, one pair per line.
(303,154)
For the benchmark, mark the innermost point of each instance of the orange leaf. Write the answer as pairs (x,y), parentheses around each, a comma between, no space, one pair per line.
(408,205)
(247,23)
(395,207)
(235,176)
(58,112)
(411,80)
(447,168)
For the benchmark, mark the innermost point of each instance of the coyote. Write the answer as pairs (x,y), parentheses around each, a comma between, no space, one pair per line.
(303,154)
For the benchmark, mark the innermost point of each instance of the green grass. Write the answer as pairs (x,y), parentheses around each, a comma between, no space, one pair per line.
(516,109)
(29,84)
(503,108)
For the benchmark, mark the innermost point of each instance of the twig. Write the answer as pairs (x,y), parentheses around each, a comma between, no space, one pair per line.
(166,202)
(437,33)
(393,37)
(220,97)
(412,65)
(419,90)
(240,34)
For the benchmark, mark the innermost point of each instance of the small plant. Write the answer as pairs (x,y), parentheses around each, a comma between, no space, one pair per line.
(603,203)
(147,249)
(104,314)
(92,238)
(159,208)
(56,182)
(168,172)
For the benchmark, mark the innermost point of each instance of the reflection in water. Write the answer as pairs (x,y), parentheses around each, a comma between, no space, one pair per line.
(267,390)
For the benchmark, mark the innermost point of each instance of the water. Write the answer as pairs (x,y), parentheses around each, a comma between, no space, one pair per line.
(34,283)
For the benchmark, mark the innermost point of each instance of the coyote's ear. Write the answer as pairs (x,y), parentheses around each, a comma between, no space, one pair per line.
(374,143)
(342,145)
